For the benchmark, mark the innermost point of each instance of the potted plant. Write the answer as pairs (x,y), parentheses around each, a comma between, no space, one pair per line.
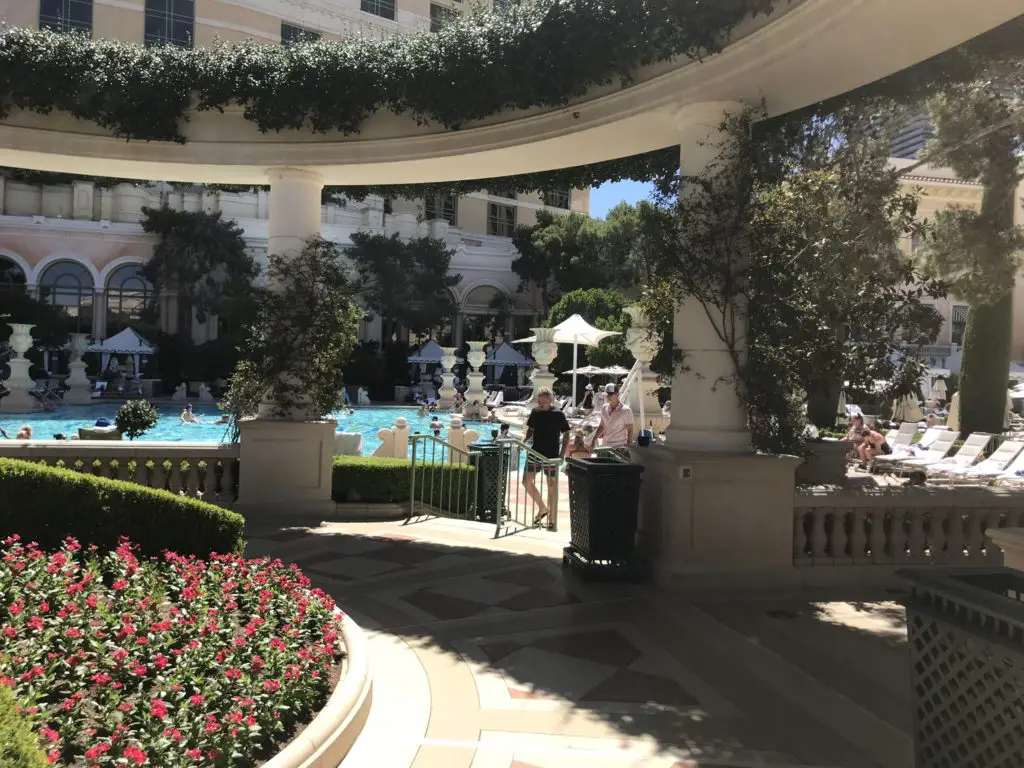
(135,418)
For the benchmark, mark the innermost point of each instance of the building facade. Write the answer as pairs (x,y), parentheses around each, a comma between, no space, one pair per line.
(83,244)
(941,189)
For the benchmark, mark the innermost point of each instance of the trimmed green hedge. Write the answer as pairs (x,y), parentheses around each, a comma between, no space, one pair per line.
(372,480)
(46,504)
(19,747)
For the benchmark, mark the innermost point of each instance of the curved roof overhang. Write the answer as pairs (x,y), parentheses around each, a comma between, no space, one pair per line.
(807,52)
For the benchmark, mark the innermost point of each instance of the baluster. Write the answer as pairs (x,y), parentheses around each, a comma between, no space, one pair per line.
(858,535)
(157,475)
(124,470)
(799,535)
(142,472)
(897,534)
(991,521)
(916,541)
(817,537)
(190,479)
(879,553)
(174,481)
(107,468)
(955,537)
(840,538)
(227,483)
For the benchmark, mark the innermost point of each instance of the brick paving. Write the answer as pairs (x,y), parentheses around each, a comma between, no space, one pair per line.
(487,655)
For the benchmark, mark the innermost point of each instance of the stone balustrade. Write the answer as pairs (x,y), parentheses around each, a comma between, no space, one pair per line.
(902,527)
(200,470)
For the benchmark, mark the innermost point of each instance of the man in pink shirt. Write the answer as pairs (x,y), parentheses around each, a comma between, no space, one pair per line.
(616,421)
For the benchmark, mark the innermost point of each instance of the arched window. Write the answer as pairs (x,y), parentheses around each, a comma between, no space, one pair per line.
(483,313)
(128,294)
(69,286)
(12,276)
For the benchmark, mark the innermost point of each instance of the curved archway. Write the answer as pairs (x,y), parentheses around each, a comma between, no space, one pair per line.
(70,287)
(13,274)
(53,258)
(103,278)
(128,295)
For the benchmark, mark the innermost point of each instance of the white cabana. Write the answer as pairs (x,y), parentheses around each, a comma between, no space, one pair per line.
(575,330)
(127,342)
(504,355)
(429,352)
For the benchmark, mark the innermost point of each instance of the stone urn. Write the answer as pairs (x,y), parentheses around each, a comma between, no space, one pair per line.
(645,388)
(19,383)
(77,381)
(446,395)
(543,350)
(475,391)
(825,463)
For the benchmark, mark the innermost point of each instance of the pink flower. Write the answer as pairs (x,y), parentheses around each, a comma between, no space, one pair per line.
(49,734)
(93,753)
(10,632)
(194,754)
(119,585)
(101,678)
(195,700)
(134,753)
(158,708)
(233,674)
(53,756)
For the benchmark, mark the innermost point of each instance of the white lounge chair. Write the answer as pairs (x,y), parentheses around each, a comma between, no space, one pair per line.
(901,451)
(1000,461)
(1012,475)
(935,453)
(968,454)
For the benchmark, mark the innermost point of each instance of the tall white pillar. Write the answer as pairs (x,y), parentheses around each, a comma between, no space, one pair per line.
(285,464)
(708,414)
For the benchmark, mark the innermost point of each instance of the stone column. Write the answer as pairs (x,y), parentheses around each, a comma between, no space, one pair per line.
(446,395)
(712,416)
(78,394)
(713,514)
(19,383)
(475,389)
(99,315)
(285,464)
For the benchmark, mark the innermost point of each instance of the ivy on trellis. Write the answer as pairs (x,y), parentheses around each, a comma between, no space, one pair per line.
(541,54)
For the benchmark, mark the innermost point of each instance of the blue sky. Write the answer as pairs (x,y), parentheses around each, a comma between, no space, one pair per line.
(607,196)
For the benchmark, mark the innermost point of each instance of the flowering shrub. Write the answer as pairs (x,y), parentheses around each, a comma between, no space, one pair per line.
(172,662)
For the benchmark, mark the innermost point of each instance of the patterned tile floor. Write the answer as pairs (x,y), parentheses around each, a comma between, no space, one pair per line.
(487,655)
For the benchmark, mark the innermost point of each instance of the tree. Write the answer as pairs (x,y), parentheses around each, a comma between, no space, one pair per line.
(790,243)
(979,129)
(304,331)
(18,306)
(203,258)
(135,418)
(406,283)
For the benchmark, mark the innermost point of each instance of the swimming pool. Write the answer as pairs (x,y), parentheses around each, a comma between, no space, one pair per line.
(366,421)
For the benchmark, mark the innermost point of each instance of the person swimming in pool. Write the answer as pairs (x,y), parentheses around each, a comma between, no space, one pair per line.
(188,417)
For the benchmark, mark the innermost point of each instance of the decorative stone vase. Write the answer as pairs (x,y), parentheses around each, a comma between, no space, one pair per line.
(645,389)
(544,351)
(77,381)
(475,394)
(446,395)
(825,463)
(19,383)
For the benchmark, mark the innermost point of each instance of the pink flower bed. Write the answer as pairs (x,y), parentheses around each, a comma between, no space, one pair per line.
(176,662)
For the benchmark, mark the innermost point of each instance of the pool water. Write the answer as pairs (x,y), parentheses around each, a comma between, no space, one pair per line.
(367,421)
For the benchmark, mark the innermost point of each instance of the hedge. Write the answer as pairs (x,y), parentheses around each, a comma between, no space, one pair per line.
(19,747)
(47,504)
(369,479)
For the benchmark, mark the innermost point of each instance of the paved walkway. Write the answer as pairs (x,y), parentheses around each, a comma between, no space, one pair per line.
(486,655)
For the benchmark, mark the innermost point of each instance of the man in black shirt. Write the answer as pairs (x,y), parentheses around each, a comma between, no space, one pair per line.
(549,431)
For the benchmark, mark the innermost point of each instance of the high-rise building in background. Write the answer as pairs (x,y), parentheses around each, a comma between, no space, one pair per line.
(911,140)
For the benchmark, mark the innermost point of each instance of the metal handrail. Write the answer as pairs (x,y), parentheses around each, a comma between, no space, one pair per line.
(535,458)
(451,455)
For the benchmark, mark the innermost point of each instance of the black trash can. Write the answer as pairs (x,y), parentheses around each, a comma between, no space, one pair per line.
(604,494)
(966,635)
(490,489)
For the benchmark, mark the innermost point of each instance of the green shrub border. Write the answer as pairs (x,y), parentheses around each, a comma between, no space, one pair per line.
(376,480)
(47,504)
(540,54)
(19,746)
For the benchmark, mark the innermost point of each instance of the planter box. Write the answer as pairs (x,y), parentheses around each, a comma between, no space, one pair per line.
(825,464)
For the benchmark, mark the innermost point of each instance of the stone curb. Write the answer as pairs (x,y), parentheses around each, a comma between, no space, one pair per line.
(326,741)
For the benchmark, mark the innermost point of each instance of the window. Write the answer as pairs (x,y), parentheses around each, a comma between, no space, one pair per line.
(443,207)
(501,219)
(12,276)
(170,22)
(128,294)
(507,194)
(960,312)
(557,198)
(383,8)
(68,286)
(291,34)
(439,14)
(66,15)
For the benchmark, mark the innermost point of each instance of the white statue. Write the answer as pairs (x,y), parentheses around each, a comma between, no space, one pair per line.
(361,397)
(461,438)
(180,393)
(394,441)
(205,395)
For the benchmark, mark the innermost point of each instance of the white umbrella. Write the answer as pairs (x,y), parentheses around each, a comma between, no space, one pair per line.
(613,370)
(953,418)
(575,330)
(841,417)
(587,370)
(906,409)
(939,389)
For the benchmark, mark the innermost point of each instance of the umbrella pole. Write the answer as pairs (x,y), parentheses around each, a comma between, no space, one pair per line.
(575,347)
